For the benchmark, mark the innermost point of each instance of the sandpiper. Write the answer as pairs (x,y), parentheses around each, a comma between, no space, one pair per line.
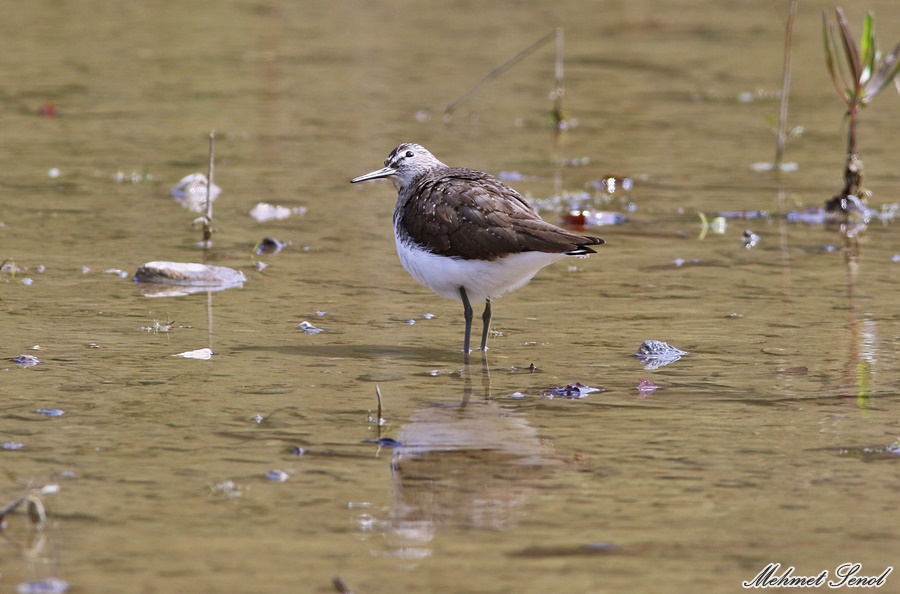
(465,234)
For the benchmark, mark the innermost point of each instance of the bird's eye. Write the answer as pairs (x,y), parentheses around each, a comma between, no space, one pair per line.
(409,154)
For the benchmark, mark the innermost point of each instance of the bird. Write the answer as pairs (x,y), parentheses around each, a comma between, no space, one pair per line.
(466,235)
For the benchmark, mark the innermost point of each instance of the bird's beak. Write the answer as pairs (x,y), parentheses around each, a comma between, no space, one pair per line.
(383,172)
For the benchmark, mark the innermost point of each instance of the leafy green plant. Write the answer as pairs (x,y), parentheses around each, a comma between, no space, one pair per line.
(859,72)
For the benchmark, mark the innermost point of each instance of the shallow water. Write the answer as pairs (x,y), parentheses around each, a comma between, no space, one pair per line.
(769,442)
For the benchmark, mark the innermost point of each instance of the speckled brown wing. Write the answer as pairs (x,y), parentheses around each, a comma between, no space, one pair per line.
(472,215)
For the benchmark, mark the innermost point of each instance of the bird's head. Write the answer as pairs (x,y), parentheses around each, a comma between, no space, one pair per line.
(406,164)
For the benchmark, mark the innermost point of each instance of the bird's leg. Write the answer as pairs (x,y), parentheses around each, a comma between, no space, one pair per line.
(486,318)
(467,312)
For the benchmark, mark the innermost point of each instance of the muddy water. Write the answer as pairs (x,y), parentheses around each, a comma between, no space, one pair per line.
(769,442)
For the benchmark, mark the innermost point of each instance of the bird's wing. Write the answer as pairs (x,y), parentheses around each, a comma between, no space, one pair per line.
(473,215)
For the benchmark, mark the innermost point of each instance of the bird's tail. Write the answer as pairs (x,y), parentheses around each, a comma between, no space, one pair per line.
(583,250)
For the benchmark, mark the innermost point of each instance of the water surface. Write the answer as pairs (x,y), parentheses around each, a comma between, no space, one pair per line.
(769,442)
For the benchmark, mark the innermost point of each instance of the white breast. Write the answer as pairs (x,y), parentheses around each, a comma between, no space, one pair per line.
(482,279)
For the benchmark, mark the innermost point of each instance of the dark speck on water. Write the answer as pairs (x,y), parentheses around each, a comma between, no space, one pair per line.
(385,442)
(574,390)
(270,245)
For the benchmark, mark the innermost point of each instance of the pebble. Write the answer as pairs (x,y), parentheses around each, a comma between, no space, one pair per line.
(278,476)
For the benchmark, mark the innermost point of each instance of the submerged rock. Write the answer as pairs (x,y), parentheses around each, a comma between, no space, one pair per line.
(188,277)
(26,360)
(656,353)
(573,391)
(270,245)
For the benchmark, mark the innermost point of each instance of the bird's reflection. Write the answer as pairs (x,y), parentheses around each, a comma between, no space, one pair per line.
(467,465)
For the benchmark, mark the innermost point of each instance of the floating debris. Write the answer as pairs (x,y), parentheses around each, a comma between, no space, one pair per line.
(517,396)
(786,167)
(13,445)
(679,262)
(277,476)
(47,586)
(574,390)
(204,354)
(656,353)
(189,277)
(869,453)
(264,212)
(750,239)
(190,192)
(576,162)
(511,176)
(309,328)
(26,360)
(593,218)
(270,245)
(54,172)
(717,225)
(811,216)
(27,281)
(136,177)
(117,272)
(745,214)
(298,451)
(645,387)
(227,489)
(10,267)
(610,184)
(158,327)
(48,109)
(50,412)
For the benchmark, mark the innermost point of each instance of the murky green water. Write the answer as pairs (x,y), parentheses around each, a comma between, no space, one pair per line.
(767,443)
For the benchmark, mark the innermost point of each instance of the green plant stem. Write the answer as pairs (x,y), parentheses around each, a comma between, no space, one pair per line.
(785,85)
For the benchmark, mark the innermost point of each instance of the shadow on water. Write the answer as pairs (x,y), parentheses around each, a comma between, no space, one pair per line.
(471,464)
